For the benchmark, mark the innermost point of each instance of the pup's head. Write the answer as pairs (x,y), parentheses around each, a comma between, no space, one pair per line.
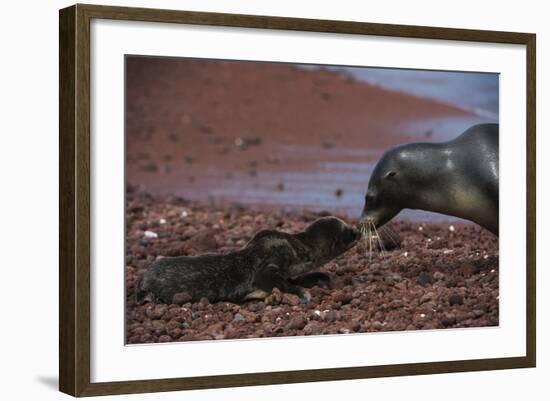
(329,237)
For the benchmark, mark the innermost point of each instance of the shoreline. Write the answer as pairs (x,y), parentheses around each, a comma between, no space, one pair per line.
(273,133)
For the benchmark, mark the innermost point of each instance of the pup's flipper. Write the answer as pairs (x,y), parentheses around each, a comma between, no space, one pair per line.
(271,276)
(256,294)
(310,280)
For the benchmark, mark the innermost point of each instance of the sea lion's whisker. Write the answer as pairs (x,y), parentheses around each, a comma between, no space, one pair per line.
(380,241)
(370,244)
(363,228)
(389,234)
(390,231)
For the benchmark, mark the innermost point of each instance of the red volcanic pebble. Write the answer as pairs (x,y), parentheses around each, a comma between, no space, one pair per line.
(432,278)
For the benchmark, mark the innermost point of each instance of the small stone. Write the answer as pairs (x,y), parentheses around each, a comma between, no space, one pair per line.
(438,276)
(377,325)
(297,322)
(204,302)
(451,282)
(238,318)
(146,338)
(290,299)
(426,297)
(424,279)
(461,317)
(396,304)
(181,298)
(155,311)
(202,242)
(150,234)
(173,324)
(159,326)
(343,298)
(175,333)
(313,328)
(448,319)
(268,327)
(274,298)
(456,299)
(478,313)
(396,278)
(331,316)
(483,307)
(256,306)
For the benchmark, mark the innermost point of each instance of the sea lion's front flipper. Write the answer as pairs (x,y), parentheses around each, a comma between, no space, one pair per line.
(310,280)
(271,276)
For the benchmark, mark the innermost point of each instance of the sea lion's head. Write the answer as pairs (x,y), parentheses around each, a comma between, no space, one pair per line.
(329,237)
(399,180)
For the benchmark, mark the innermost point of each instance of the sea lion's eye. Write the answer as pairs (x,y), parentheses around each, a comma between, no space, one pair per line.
(390,174)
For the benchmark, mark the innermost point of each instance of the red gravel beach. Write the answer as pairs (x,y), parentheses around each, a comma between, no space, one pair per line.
(219,150)
(440,276)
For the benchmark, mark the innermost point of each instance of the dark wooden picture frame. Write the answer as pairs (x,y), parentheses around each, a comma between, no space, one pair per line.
(74,203)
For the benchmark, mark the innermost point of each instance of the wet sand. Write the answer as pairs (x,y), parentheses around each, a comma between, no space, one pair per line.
(440,276)
(265,133)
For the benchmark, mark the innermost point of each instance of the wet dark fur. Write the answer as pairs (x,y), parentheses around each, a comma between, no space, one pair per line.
(270,260)
(458,178)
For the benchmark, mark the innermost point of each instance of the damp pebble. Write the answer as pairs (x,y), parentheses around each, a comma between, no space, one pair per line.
(238,318)
(363,295)
(451,228)
(162,221)
(150,234)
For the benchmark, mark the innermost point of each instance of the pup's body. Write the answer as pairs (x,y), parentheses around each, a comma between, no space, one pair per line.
(270,260)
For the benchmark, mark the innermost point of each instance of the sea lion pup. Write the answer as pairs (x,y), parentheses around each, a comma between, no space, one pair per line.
(457,178)
(271,259)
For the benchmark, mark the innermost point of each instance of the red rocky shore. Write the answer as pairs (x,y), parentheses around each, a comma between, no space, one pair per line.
(440,276)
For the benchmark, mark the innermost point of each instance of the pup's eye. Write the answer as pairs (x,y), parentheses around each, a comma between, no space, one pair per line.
(390,174)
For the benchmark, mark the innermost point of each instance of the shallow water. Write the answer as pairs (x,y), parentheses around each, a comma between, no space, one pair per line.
(473,91)
(339,185)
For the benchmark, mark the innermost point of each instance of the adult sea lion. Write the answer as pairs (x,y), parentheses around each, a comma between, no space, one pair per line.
(457,178)
(271,259)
